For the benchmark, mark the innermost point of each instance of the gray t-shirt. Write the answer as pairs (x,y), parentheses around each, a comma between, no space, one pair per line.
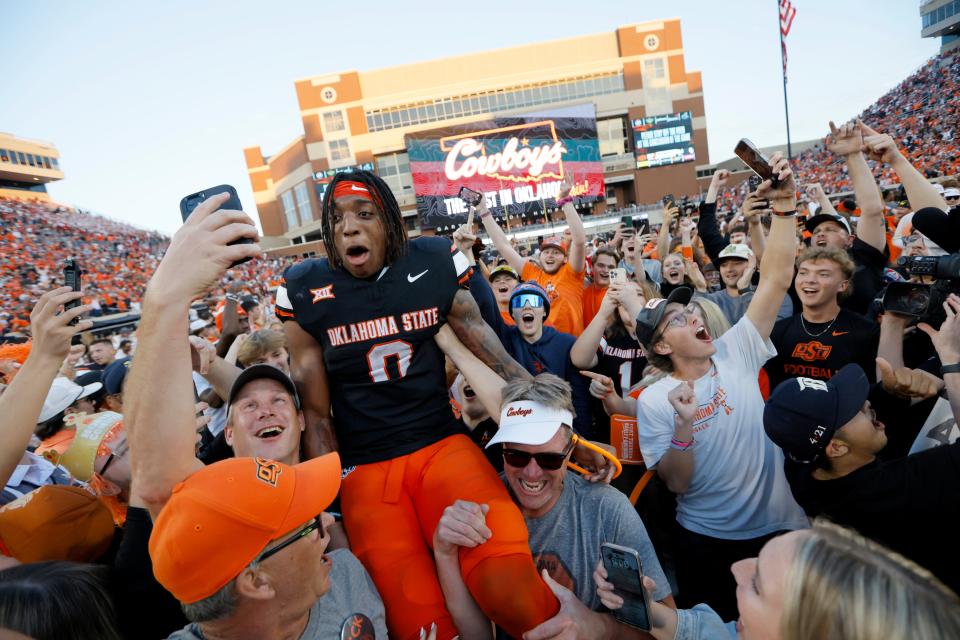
(351,591)
(734,308)
(566,541)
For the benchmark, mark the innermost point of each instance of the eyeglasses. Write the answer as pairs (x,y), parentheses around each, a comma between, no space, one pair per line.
(526,299)
(546,461)
(678,320)
(312,526)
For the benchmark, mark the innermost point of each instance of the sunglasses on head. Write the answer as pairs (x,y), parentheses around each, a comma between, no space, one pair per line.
(545,460)
(526,299)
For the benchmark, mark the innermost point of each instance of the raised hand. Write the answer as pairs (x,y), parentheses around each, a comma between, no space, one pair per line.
(845,140)
(747,277)
(720,178)
(202,354)
(684,401)
(51,328)
(946,340)
(200,252)
(566,186)
(755,206)
(464,237)
(783,197)
(878,146)
(815,191)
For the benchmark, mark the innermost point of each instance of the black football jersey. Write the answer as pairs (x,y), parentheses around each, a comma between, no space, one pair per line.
(819,350)
(620,359)
(386,374)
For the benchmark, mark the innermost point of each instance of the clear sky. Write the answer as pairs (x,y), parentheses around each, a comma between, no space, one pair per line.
(149,101)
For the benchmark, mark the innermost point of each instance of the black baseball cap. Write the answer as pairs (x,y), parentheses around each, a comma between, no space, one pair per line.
(258,371)
(816,220)
(114,374)
(652,313)
(803,414)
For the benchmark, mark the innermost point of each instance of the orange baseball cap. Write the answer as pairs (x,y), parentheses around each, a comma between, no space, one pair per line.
(222,517)
(56,522)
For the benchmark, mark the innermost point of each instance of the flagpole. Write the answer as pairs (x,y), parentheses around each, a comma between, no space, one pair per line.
(783,61)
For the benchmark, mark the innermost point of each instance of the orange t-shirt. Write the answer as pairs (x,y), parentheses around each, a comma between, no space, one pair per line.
(592,297)
(565,289)
(507,318)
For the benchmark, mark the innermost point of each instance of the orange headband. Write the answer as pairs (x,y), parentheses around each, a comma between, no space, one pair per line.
(351,188)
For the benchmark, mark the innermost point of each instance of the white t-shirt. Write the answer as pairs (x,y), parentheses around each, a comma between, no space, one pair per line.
(738,490)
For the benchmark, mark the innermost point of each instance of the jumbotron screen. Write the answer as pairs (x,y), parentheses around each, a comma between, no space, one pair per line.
(664,140)
(516,162)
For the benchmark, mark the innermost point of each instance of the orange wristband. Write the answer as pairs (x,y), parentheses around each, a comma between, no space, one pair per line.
(687,253)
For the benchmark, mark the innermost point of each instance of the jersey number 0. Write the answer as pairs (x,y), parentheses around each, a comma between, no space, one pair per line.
(380,356)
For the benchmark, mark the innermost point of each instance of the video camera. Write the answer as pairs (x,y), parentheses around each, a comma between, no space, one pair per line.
(925,301)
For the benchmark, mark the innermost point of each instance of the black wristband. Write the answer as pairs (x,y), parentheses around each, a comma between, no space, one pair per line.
(950,368)
(785,214)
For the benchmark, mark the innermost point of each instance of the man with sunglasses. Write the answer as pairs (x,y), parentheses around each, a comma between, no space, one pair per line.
(701,427)
(568,518)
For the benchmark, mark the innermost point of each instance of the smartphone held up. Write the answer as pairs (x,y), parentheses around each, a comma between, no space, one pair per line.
(194,200)
(758,163)
(72,278)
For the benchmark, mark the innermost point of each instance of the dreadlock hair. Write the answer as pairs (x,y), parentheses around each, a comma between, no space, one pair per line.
(389,214)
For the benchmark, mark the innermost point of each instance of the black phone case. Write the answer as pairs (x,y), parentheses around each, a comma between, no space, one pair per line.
(190,202)
(72,278)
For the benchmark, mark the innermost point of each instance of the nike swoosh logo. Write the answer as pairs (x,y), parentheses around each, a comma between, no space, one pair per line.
(839,333)
(412,279)
(354,187)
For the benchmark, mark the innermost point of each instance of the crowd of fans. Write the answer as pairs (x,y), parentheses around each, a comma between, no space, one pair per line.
(919,112)
(725,425)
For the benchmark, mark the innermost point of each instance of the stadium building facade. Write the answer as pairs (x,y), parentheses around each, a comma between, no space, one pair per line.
(26,166)
(646,106)
(941,19)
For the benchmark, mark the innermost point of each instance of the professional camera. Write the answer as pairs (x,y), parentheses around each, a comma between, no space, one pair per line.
(924,301)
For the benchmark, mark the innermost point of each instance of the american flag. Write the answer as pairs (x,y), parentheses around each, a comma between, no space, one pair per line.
(787,14)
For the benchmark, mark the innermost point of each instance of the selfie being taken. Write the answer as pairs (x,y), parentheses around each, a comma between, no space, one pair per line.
(626,321)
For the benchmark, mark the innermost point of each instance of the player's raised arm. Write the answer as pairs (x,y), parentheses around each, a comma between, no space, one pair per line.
(465,320)
(310,376)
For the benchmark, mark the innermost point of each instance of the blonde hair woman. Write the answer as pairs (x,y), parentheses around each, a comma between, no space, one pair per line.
(813,584)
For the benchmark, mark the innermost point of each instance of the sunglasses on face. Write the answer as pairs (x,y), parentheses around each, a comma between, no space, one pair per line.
(311,526)
(545,460)
(525,300)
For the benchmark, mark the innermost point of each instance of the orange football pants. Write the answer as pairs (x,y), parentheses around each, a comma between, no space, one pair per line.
(390,511)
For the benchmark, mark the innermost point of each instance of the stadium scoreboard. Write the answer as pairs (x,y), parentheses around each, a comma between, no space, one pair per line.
(663,140)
